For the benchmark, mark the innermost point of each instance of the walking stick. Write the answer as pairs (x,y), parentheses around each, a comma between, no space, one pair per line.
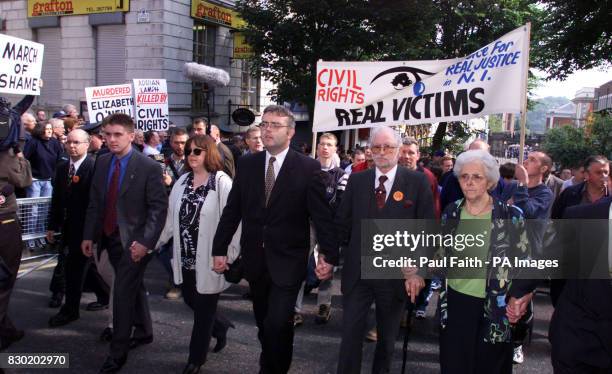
(406,338)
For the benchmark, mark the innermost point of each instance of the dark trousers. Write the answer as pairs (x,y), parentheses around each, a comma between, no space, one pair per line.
(77,267)
(204,308)
(10,251)
(273,308)
(72,273)
(462,349)
(356,304)
(130,305)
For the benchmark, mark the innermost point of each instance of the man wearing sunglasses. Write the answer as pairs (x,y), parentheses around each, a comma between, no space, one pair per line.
(275,194)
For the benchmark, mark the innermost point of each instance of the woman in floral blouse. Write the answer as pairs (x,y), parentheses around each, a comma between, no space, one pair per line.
(195,205)
(478,306)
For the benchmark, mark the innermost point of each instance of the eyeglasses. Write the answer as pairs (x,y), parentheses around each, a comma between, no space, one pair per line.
(195,151)
(382,148)
(477,178)
(271,125)
(71,142)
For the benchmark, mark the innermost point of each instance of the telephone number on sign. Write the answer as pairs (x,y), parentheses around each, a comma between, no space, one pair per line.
(34,360)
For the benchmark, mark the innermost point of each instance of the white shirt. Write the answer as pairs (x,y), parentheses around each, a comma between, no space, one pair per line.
(389,182)
(77,163)
(150,151)
(280,158)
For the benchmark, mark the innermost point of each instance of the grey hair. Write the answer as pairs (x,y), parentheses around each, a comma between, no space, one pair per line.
(68,107)
(484,158)
(281,111)
(381,129)
(56,122)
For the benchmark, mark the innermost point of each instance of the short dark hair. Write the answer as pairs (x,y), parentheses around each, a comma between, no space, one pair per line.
(119,119)
(593,159)
(39,129)
(507,170)
(149,135)
(281,111)
(212,158)
(177,131)
(199,120)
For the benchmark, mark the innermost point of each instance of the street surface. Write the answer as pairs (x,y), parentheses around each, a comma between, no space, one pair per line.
(315,350)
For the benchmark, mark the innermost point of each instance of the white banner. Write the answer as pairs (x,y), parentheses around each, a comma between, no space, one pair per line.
(105,100)
(151,100)
(352,95)
(20,66)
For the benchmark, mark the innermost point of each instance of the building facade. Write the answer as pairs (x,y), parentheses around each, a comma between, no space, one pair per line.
(104,42)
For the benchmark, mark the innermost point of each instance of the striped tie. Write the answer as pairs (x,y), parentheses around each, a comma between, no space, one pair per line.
(270,178)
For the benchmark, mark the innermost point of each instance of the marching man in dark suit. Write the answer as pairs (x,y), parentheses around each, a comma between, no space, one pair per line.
(68,208)
(388,191)
(126,213)
(275,193)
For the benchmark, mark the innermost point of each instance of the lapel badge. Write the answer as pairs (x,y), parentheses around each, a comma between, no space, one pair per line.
(75,179)
(398,196)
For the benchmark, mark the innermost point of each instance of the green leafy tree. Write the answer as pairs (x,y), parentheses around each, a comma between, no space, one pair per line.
(290,36)
(574,35)
(570,146)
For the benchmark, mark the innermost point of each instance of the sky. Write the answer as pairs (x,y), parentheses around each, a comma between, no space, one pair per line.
(574,82)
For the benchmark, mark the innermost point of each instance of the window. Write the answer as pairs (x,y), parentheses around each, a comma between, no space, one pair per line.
(110,55)
(248,87)
(204,37)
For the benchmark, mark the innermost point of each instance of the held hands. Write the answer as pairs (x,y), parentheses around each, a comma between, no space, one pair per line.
(414,284)
(138,251)
(323,270)
(220,264)
(87,248)
(167,179)
(517,308)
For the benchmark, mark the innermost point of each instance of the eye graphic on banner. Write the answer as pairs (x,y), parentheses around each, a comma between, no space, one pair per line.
(402,80)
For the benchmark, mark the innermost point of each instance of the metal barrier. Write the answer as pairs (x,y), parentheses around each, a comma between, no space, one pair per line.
(33,214)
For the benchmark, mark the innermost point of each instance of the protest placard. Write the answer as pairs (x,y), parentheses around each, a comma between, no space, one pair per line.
(105,100)
(151,104)
(20,66)
(352,95)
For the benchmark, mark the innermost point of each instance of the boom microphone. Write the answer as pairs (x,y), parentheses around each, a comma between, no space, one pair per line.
(206,74)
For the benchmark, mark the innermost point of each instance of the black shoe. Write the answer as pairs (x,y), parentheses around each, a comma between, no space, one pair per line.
(107,335)
(95,306)
(191,369)
(61,319)
(6,341)
(56,300)
(222,338)
(113,365)
(137,342)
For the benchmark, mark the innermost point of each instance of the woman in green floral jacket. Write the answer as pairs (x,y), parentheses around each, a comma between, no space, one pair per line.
(478,306)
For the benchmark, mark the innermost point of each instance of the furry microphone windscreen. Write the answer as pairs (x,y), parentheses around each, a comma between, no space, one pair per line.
(202,73)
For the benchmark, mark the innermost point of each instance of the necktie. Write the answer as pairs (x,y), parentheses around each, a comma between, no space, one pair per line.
(270,178)
(380,192)
(71,173)
(110,211)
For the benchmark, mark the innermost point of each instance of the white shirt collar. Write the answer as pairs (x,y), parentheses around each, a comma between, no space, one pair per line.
(278,163)
(78,163)
(390,179)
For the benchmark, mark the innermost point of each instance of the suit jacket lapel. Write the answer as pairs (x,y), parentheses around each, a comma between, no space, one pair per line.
(390,204)
(260,177)
(283,178)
